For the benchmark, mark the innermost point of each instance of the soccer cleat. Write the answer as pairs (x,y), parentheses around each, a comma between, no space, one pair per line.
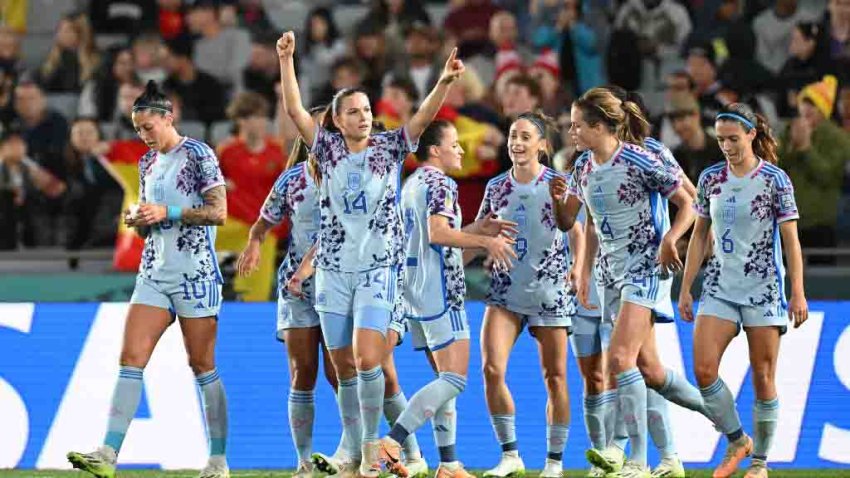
(329,465)
(670,467)
(305,470)
(632,469)
(216,468)
(596,472)
(417,468)
(552,469)
(735,453)
(389,455)
(757,469)
(610,460)
(449,472)
(510,465)
(349,469)
(100,463)
(370,465)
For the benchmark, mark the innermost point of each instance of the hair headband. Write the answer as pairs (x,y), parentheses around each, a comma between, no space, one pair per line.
(146,107)
(740,118)
(537,122)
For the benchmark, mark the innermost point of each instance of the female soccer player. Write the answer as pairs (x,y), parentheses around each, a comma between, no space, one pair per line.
(622,184)
(182,200)
(360,242)
(531,293)
(438,319)
(746,202)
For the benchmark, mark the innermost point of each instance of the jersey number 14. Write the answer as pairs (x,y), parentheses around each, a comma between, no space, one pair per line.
(358,204)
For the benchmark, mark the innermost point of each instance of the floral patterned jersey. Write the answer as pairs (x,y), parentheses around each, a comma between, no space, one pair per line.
(178,253)
(745,214)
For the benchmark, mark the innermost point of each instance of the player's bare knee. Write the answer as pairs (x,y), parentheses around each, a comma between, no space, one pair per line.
(134,358)
(493,374)
(303,378)
(653,374)
(620,360)
(556,380)
(706,373)
(594,382)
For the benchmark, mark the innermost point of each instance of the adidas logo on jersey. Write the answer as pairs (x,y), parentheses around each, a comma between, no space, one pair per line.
(199,305)
(379,296)
(731,200)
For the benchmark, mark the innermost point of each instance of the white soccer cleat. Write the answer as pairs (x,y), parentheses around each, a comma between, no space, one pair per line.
(670,467)
(216,468)
(100,463)
(349,468)
(327,464)
(305,470)
(370,464)
(610,460)
(552,469)
(633,469)
(596,472)
(510,465)
(417,468)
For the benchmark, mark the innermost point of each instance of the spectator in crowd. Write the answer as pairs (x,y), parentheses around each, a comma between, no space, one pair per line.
(712,21)
(323,46)
(24,185)
(72,59)
(171,20)
(370,50)
(836,27)
(263,72)
(467,96)
(697,148)
(203,96)
(121,127)
(504,40)
(702,67)
(147,55)
(222,52)
(250,162)
(125,18)
(580,44)
(396,17)
(45,130)
(844,107)
(741,73)
(546,72)
(94,196)
(677,82)
(522,94)
(251,16)
(813,151)
(421,66)
(806,64)
(773,29)
(661,25)
(397,103)
(346,72)
(10,52)
(99,97)
(467,25)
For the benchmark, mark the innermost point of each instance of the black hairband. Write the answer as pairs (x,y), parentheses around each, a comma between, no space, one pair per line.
(146,107)
(537,122)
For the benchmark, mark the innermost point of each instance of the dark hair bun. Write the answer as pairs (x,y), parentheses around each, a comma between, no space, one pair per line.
(153,100)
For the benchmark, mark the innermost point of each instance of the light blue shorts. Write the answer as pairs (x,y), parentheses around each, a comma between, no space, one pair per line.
(185,300)
(441,332)
(295,314)
(590,335)
(650,292)
(354,300)
(534,320)
(770,315)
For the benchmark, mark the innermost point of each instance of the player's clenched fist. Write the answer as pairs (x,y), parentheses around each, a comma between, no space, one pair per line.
(286,45)
(558,188)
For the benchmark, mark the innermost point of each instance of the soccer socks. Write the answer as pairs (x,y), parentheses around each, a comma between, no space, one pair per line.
(370,390)
(631,390)
(426,402)
(766,416)
(215,410)
(720,405)
(658,422)
(445,431)
(349,413)
(125,401)
(393,407)
(556,440)
(678,390)
(505,428)
(595,410)
(301,415)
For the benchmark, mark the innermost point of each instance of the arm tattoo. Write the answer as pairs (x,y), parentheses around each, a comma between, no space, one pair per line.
(212,213)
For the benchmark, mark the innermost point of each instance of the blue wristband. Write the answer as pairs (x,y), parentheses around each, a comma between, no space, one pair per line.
(174,213)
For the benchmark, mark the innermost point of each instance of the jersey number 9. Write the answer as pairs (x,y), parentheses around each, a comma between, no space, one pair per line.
(521,247)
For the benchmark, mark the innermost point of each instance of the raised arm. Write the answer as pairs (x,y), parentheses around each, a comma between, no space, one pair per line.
(290,95)
(798,309)
(432,103)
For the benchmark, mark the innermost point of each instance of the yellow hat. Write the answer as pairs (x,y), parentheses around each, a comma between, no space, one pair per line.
(821,94)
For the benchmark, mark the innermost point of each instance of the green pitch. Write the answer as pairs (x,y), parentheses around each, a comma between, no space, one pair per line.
(286,474)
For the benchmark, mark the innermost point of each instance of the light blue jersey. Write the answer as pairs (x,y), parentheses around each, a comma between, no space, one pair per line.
(624,196)
(746,267)
(175,252)
(536,285)
(296,197)
(433,281)
(361,226)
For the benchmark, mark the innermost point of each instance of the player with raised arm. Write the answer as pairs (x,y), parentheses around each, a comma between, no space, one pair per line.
(182,201)
(747,204)
(360,244)
(531,294)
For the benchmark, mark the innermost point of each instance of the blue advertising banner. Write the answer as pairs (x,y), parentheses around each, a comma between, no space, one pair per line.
(59,363)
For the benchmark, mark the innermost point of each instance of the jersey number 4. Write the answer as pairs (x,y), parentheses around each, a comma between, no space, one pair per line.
(358,204)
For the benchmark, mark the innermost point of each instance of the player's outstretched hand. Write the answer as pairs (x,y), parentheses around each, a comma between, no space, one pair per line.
(798,310)
(490,225)
(286,45)
(686,306)
(249,259)
(501,249)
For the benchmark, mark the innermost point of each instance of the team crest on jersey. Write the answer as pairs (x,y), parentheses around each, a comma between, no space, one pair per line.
(208,170)
(729,211)
(598,199)
(159,190)
(321,299)
(354,180)
(786,201)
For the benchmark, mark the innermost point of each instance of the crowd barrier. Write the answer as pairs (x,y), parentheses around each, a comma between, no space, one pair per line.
(59,363)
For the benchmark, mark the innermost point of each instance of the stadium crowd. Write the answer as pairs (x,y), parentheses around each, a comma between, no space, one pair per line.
(68,150)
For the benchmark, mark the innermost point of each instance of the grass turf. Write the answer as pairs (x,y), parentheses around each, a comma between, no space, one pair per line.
(705,473)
